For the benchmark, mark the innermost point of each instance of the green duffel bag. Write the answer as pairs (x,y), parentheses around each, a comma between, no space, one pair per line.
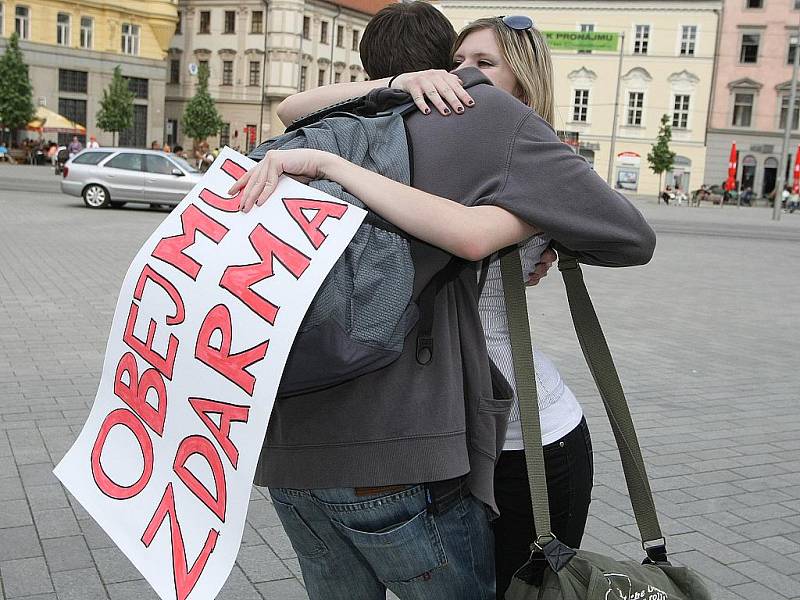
(591,576)
(556,571)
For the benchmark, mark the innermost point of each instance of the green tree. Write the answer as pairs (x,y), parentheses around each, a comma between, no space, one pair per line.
(660,157)
(116,107)
(200,118)
(16,93)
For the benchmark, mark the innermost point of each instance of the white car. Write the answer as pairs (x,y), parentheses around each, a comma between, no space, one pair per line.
(114,176)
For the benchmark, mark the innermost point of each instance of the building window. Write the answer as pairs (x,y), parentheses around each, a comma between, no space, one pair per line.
(205,21)
(323,32)
(337,77)
(680,113)
(22,22)
(255,72)
(749,50)
(785,110)
(175,70)
(340,36)
(179,24)
(62,29)
(72,81)
(225,135)
(227,72)
(353,78)
(130,39)
(303,79)
(230,21)
(203,64)
(306,28)
(321,78)
(586,27)
(2,18)
(136,135)
(257,22)
(87,32)
(357,39)
(580,106)
(755,3)
(641,39)
(635,108)
(138,86)
(742,109)
(797,4)
(74,110)
(688,39)
(792,50)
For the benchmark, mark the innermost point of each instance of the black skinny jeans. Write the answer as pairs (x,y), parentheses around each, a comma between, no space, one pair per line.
(570,469)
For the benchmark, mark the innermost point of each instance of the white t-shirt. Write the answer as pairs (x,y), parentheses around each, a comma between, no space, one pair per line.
(559,410)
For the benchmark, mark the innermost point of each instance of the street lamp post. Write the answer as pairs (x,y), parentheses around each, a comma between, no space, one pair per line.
(616,109)
(787,134)
(263,85)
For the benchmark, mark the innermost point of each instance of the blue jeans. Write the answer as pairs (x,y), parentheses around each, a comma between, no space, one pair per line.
(353,546)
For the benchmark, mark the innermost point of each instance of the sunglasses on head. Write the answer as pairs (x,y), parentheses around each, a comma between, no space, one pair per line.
(520,23)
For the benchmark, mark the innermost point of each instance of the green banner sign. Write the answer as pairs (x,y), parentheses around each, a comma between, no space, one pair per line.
(582,40)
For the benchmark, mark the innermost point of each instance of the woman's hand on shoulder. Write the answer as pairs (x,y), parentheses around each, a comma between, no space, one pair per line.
(444,90)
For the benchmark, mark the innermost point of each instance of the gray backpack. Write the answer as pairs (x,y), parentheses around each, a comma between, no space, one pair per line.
(360,317)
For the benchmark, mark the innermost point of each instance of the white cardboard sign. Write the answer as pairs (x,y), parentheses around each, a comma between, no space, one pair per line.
(204,323)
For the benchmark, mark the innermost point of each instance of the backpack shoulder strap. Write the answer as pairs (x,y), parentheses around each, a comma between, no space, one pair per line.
(351,106)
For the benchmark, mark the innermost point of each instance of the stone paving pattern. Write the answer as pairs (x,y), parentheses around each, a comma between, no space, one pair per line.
(705,338)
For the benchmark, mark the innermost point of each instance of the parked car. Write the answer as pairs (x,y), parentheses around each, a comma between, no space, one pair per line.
(114,176)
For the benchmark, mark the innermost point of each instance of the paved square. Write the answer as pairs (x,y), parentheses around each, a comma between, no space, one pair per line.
(705,338)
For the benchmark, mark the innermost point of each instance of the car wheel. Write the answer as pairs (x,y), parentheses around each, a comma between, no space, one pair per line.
(96,196)
(117,204)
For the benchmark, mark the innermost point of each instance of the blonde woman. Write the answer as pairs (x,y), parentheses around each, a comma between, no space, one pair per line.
(512,54)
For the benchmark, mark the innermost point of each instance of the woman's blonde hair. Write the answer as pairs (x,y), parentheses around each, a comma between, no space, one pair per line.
(531,64)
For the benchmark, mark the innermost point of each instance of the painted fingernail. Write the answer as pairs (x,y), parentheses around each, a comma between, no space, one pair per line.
(427,111)
(470,102)
(460,109)
(447,111)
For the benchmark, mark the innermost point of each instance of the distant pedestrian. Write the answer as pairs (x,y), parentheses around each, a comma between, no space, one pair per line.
(92,142)
(747,196)
(154,145)
(794,201)
(75,146)
(785,197)
(666,195)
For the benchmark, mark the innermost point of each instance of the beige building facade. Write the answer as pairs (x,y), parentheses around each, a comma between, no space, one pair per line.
(278,47)
(71,49)
(667,68)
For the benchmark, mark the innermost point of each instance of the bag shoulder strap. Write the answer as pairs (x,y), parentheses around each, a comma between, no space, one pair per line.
(601,365)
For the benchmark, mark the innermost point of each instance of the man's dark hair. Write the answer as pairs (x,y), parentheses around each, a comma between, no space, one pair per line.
(406,37)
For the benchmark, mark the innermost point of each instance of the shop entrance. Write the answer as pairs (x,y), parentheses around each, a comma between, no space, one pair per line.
(770,176)
(748,171)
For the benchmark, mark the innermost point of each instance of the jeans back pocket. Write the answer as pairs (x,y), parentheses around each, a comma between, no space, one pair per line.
(402,553)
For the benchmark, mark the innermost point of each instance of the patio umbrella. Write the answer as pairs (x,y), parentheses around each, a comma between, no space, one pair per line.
(48,121)
(796,184)
(730,184)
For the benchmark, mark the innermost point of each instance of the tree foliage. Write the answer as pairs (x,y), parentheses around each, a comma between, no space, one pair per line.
(200,118)
(116,107)
(16,92)
(660,157)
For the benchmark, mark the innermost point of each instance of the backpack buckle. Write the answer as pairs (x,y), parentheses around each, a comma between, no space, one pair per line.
(424,349)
